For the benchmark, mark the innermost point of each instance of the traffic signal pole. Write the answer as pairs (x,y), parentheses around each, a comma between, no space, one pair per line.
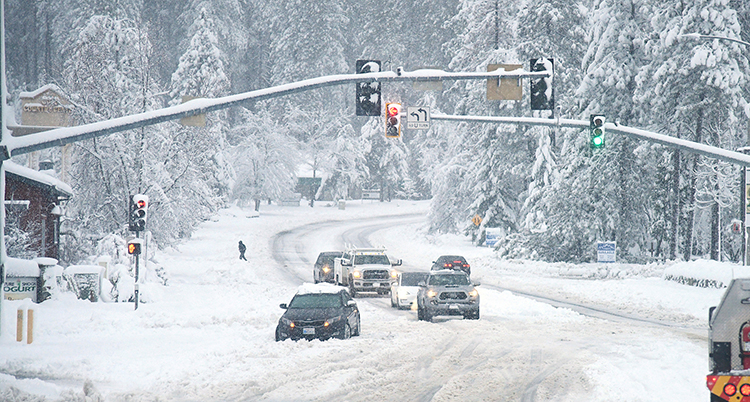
(672,142)
(66,135)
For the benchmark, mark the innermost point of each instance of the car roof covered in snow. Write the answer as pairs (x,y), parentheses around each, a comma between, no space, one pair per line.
(309,288)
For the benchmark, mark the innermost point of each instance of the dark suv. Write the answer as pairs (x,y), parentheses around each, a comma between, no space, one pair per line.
(323,268)
(447,292)
(451,262)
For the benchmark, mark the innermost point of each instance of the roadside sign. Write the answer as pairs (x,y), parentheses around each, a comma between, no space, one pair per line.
(606,251)
(418,118)
(504,88)
(371,194)
(476,220)
(492,235)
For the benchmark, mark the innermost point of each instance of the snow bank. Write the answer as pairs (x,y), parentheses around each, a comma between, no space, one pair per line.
(705,273)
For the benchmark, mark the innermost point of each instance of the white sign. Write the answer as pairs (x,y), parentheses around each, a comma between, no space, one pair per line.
(606,251)
(492,235)
(418,118)
(20,288)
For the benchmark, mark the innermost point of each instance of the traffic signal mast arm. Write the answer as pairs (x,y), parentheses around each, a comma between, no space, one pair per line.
(672,142)
(57,137)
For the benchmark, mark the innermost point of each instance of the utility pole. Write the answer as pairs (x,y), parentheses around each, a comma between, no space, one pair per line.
(3,135)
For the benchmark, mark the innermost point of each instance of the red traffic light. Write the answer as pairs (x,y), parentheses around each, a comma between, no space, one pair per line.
(392,120)
(134,248)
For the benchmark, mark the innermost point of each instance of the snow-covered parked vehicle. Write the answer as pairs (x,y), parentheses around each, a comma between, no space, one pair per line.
(365,270)
(319,311)
(447,292)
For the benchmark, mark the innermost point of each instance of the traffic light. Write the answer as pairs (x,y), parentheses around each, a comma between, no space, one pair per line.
(138,212)
(134,247)
(542,92)
(392,120)
(596,130)
(368,92)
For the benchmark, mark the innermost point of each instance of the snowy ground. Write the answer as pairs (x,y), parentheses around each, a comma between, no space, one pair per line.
(209,334)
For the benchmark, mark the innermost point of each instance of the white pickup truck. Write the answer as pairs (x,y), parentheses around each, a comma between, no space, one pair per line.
(365,270)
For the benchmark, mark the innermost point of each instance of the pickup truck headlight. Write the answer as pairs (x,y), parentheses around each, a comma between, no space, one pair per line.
(394,274)
(474,293)
(431,293)
(356,274)
(326,269)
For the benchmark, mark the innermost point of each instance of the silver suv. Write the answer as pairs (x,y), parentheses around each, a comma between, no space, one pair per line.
(447,292)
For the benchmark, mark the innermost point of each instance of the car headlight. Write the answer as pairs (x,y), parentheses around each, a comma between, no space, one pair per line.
(431,293)
(332,320)
(474,293)
(356,274)
(287,322)
(394,274)
(326,269)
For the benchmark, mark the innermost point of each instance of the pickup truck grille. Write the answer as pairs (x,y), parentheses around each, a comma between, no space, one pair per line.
(453,296)
(375,274)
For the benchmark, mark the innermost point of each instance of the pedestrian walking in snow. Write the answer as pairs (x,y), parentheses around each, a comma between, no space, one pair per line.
(242,251)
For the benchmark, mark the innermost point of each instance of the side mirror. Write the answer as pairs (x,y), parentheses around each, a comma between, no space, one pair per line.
(710,315)
(351,303)
(284,306)
(422,284)
(398,263)
(477,284)
(346,263)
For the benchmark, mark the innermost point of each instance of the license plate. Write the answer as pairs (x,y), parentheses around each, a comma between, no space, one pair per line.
(453,307)
(308,331)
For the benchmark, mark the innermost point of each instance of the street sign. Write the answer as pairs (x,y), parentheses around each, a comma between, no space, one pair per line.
(504,88)
(492,236)
(476,220)
(606,251)
(418,118)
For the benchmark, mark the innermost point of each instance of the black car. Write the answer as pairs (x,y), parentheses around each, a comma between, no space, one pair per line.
(323,268)
(456,262)
(319,312)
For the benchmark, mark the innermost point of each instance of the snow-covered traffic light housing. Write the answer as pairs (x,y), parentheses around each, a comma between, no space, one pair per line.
(134,247)
(392,120)
(596,130)
(138,212)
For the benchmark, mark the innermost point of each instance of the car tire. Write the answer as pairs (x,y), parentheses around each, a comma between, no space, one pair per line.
(420,313)
(278,336)
(427,315)
(393,303)
(472,315)
(347,332)
(359,328)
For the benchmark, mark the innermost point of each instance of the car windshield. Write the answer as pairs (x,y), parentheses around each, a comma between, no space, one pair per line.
(327,259)
(443,280)
(316,300)
(371,259)
(413,278)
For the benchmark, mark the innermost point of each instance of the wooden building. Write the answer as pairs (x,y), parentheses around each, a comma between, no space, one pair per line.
(33,205)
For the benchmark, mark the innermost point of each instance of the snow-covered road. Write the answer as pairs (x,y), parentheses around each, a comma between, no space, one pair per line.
(208,336)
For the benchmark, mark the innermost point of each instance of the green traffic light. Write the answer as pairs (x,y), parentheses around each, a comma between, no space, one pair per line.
(597,141)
